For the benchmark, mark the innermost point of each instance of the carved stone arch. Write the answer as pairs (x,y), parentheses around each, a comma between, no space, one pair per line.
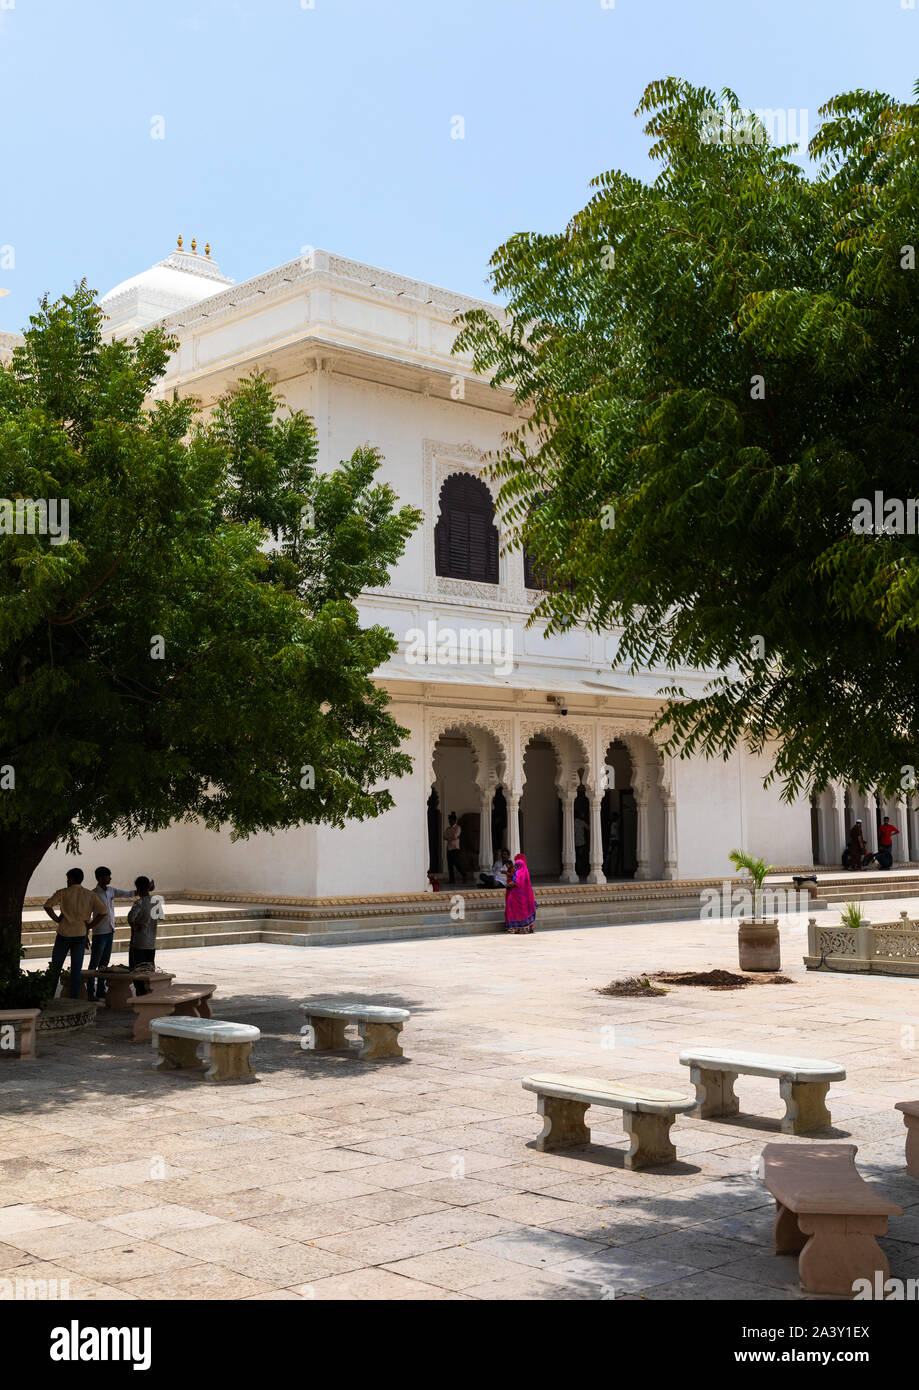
(653,789)
(582,737)
(649,765)
(530,729)
(496,760)
(571,744)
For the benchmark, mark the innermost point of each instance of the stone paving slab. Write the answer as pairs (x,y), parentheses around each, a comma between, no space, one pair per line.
(418,1179)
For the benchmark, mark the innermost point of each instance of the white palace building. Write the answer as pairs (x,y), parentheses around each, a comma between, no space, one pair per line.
(517,744)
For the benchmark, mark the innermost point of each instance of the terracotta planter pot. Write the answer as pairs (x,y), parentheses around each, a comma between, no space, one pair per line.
(759,945)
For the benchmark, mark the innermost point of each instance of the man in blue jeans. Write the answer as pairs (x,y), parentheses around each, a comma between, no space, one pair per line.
(77,910)
(104,934)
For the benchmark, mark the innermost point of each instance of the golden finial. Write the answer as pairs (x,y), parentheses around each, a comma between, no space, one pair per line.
(194,246)
(179,244)
(207,250)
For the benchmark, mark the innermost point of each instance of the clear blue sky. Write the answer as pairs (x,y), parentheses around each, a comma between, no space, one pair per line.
(287,126)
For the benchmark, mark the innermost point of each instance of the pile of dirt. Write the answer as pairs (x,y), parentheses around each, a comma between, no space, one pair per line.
(638,987)
(721,979)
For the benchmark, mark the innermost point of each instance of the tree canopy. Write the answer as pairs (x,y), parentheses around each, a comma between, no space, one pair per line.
(190,648)
(720,371)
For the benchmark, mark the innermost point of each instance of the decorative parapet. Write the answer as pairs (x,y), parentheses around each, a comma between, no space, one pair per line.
(889,947)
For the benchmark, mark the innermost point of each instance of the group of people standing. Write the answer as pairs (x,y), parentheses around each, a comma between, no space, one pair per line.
(859,856)
(79,912)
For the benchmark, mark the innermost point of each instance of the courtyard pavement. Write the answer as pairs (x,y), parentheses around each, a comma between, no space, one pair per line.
(417,1179)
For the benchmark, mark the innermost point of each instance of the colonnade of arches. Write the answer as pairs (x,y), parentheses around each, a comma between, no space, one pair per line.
(835,810)
(573,823)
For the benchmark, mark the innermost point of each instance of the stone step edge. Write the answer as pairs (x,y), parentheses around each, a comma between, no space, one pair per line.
(348,936)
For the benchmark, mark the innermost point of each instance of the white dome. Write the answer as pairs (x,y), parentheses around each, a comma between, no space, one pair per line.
(181,280)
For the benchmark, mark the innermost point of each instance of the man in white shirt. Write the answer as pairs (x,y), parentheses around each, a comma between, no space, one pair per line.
(498,876)
(104,933)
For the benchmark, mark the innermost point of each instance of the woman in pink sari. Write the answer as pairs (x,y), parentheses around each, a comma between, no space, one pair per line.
(519,902)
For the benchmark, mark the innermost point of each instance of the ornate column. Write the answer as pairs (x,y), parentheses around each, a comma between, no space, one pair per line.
(643,870)
(912,823)
(898,815)
(513,822)
(486,853)
(837,818)
(670,864)
(569,873)
(596,874)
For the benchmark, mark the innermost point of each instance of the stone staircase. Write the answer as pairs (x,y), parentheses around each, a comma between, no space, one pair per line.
(835,886)
(233,926)
(201,919)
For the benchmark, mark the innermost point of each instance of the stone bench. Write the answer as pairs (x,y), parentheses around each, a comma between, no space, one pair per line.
(803,1083)
(171,999)
(827,1211)
(910,1112)
(27,1019)
(222,1047)
(648,1115)
(119,983)
(378,1025)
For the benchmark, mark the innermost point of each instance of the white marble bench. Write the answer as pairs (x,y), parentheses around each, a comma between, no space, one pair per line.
(826,1210)
(220,1046)
(648,1114)
(379,1027)
(803,1083)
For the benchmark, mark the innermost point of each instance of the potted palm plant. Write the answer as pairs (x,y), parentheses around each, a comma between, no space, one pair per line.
(759,945)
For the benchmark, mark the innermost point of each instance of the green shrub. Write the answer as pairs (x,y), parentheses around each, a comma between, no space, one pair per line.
(25,989)
(852,916)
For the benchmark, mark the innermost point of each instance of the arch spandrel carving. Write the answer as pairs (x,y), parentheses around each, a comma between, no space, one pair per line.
(650,765)
(571,743)
(492,763)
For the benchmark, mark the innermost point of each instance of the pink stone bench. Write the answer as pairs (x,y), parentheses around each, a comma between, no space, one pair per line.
(184,1000)
(27,1019)
(910,1112)
(826,1210)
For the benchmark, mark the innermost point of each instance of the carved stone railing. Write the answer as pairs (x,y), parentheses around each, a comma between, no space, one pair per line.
(890,947)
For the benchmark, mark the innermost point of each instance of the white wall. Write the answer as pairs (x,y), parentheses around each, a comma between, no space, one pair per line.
(163,857)
(708,817)
(389,854)
(780,832)
(722,806)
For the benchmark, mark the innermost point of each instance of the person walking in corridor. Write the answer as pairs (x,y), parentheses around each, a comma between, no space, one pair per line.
(452,836)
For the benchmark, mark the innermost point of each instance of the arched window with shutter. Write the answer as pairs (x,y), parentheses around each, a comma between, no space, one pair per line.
(536,575)
(466,537)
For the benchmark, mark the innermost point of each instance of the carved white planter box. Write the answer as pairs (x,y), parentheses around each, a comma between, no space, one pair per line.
(889,947)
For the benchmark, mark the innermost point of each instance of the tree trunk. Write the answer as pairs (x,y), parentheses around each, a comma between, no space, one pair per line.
(20,856)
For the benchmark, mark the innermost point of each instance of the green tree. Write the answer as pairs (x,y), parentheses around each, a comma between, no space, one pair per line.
(717,365)
(192,650)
